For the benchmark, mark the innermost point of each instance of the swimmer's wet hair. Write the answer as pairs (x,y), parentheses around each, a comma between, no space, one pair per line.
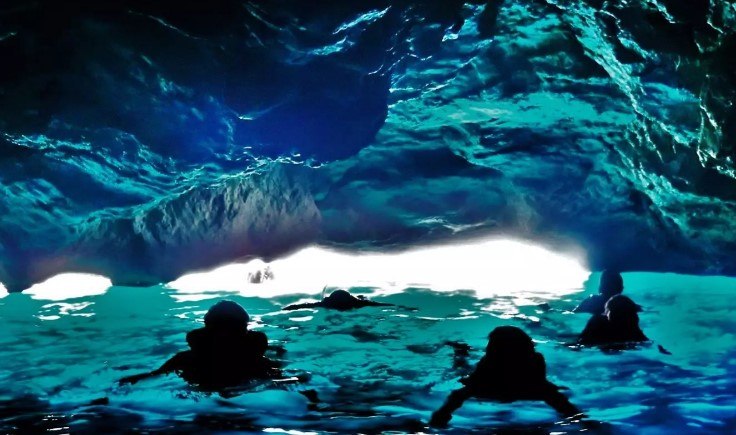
(509,339)
(341,295)
(226,314)
(622,307)
(611,283)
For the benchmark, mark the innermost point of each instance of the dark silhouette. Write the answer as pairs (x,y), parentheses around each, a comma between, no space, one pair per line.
(223,353)
(339,300)
(260,276)
(611,284)
(618,324)
(510,370)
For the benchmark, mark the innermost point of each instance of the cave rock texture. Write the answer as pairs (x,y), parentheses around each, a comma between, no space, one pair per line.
(143,139)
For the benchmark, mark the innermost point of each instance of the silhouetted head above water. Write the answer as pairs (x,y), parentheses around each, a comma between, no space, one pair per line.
(611,284)
(226,315)
(341,298)
(509,340)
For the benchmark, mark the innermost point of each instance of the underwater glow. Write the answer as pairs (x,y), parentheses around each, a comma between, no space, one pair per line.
(68,286)
(3,291)
(489,267)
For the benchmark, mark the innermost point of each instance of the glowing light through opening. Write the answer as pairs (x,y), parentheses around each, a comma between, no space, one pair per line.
(68,286)
(3,291)
(490,268)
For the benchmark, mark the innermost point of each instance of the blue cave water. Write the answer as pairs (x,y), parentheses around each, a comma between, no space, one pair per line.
(375,370)
(144,142)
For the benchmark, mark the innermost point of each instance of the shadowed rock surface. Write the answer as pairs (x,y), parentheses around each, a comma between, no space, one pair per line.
(141,140)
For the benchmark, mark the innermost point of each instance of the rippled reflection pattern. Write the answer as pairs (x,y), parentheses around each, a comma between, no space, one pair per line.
(374,369)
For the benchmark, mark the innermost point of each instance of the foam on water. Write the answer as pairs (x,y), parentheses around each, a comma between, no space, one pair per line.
(377,369)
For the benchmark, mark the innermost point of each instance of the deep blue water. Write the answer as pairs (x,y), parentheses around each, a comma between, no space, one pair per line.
(377,369)
(143,140)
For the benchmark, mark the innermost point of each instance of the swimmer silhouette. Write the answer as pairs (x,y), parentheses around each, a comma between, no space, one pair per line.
(611,284)
(618,324)
(339,300)
(223,353)
(510,370)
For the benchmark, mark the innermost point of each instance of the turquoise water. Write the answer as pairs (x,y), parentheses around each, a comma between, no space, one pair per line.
(377,369)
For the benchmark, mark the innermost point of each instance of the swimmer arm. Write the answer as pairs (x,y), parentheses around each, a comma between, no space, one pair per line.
(379,304)
(135,378)
(173,364)
(301,306)
(362,301)
(559,402)
(442,416)
(586,306)
(141,376)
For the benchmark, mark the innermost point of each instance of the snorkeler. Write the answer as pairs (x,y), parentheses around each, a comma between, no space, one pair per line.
(611,284)
(511,370)
(618,324)
(223,354)
(339,300)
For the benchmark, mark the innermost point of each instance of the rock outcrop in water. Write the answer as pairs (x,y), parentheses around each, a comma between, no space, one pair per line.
(142,139)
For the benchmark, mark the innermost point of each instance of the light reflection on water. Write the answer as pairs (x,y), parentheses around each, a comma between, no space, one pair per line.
(69,285)
(489,268)
(374,369)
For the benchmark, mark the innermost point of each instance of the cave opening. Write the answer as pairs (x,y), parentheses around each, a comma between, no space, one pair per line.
(490,267)
(69,286)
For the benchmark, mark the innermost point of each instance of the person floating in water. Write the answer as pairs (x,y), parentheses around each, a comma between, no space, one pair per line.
(611,284)
(223,354)
(339,300)
(618,324)
(260,276)
(511,370)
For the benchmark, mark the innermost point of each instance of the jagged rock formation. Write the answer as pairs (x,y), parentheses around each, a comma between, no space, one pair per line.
(145,139)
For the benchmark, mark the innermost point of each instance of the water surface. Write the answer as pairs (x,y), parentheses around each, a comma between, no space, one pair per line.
(377,369)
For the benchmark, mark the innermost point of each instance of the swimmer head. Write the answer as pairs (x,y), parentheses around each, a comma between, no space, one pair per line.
(226,315)
(622,310)
(341,297)
(611,284)
(509,340)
